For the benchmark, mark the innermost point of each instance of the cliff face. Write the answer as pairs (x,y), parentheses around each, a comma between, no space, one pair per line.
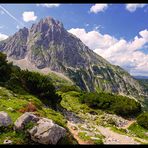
(48,44)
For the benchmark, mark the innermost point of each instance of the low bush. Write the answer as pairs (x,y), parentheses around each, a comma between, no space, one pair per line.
(69,88)
(142,120)
(120,105)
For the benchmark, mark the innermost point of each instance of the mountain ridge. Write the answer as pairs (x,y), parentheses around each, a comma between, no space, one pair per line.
(47,44)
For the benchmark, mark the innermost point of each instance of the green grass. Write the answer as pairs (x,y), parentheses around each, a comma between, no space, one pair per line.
(118,130)
(55,116)
(138,131)
(9,100)
(59,81)
(15,137)
(71,101)
(12,103)
(85,137)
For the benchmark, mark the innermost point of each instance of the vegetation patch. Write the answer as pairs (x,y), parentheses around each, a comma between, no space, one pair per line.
(138,131)
(120,105)
(142,120)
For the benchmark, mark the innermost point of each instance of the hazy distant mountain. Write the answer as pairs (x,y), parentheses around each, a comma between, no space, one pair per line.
(140,77)
(48,44)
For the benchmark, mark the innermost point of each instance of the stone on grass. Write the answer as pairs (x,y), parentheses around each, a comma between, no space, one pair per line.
(24,119)
(47,132)
(5,120)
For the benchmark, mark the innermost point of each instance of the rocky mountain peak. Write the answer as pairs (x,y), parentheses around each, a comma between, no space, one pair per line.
(48,45)
(46,25)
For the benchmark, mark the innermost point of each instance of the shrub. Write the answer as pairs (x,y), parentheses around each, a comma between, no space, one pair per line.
(142,120)
(120,105)
(5,68)
(24,81)
(69,88)
(36,84)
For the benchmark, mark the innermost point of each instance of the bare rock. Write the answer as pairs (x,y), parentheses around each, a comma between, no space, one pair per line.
(5,120)
(24,119)
(47,132)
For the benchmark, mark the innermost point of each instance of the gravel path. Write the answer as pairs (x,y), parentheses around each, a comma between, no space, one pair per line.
(111,137)
(115,138)
(75,134)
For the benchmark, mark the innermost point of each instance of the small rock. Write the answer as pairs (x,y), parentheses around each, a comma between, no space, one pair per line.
(5,120)
(95,138)
(74,128)
(146,133)
(7,142)
(24,119)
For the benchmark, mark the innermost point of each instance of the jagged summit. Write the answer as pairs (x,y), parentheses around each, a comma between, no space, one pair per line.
(47,24)
(48,44)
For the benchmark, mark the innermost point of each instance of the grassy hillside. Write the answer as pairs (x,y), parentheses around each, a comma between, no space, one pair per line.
(24,91)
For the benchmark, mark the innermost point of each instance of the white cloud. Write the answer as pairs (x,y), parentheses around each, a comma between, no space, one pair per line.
(49,5)
(126,54)
(98,8)
(133,7)
(17,27)
(29,16)
(3,36)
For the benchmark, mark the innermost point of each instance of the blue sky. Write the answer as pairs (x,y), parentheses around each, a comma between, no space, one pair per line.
(118,32)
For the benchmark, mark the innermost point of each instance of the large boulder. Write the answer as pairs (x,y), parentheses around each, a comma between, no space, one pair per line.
(47,132)
(24,119)
(5,120)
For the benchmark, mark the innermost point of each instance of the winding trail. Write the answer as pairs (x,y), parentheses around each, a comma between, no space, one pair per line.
(75,134)
(110,137)
(115,138)
(128,124)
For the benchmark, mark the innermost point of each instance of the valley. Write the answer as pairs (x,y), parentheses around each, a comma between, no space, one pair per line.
(55,90)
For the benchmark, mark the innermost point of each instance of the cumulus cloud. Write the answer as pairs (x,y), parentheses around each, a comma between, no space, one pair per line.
(126,54)
(98,8)
(29,16)
(49,5)
(133,7)
(3,36)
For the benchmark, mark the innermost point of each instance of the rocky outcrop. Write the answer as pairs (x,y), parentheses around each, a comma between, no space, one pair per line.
(48,44)
(47,132)
(24,119)
(44,130)
(5,120)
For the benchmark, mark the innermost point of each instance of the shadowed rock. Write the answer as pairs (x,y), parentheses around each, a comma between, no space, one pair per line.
(5,120)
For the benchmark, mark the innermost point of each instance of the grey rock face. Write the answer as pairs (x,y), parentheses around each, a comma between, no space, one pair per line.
(15,46)
(5,120)
(47,132)
(48,44)
(24,119)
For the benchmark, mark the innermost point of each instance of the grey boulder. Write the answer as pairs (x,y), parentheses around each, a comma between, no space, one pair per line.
(47,132)
(24,119)
(5,120)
